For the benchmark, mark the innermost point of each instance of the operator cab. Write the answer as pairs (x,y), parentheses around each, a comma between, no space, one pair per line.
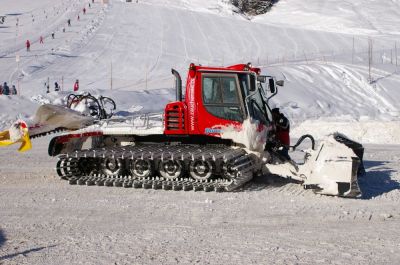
(235,96)
(216,98)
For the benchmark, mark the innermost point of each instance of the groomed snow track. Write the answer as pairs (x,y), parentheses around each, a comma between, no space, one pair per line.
(158,166)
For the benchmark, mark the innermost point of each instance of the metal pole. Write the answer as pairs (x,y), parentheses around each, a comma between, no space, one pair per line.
(305,56)
(146,78)
(17,59)
(352,53)
(111,79)
(370,57)
(391,56)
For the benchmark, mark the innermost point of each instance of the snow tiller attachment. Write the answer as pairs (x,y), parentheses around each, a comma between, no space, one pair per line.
(330,169)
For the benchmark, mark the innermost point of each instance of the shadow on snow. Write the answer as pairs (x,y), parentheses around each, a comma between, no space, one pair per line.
(378,179)
(375,182)
(24,253)
(2,238)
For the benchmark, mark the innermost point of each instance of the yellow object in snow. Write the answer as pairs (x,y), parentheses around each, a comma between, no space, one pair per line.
(18,133)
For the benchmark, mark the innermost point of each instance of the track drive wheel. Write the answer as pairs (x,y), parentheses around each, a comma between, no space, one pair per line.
(171,169)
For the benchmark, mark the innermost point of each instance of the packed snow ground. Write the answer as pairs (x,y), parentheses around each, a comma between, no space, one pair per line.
(44,220)
(327,88)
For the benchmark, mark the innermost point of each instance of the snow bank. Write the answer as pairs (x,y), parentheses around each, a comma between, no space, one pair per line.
(376,132)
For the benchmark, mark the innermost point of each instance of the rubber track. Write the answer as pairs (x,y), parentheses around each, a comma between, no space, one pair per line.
(241,167)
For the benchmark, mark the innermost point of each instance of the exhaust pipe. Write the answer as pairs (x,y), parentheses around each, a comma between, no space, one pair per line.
(178,84)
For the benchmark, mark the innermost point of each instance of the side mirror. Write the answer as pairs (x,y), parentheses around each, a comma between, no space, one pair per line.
(280,82)
(272,87)
(261,78)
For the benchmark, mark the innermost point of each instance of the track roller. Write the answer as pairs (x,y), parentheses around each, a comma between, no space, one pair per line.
(171,169)
(141,168)
(200,169)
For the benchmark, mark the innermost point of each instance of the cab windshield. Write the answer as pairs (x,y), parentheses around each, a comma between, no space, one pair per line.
(254,100)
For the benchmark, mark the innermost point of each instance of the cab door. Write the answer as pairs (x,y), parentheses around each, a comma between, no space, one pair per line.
(222,103)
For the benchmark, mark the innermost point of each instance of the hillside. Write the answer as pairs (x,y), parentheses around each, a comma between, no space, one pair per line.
(135,45)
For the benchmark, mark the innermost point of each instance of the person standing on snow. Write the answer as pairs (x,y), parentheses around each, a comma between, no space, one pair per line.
(6,89)
(69,22)
(282,127)
(1,89)
(76,85)
(53,35)
(41,40)
(84,11)
(28,45)
(47,86)
(56,87)
(13,90)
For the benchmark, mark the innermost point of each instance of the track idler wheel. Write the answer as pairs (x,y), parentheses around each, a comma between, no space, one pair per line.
(200,169)
(141,168)
(171,169)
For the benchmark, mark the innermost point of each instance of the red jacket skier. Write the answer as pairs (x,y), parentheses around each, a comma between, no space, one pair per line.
(76,85)
(28,45)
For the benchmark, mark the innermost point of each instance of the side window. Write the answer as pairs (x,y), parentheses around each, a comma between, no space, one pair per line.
(229,90)
(221,97)
(244,84)
(211,91)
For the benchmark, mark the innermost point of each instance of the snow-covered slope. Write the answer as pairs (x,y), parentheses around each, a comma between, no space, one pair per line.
(359,17)
(310,46)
